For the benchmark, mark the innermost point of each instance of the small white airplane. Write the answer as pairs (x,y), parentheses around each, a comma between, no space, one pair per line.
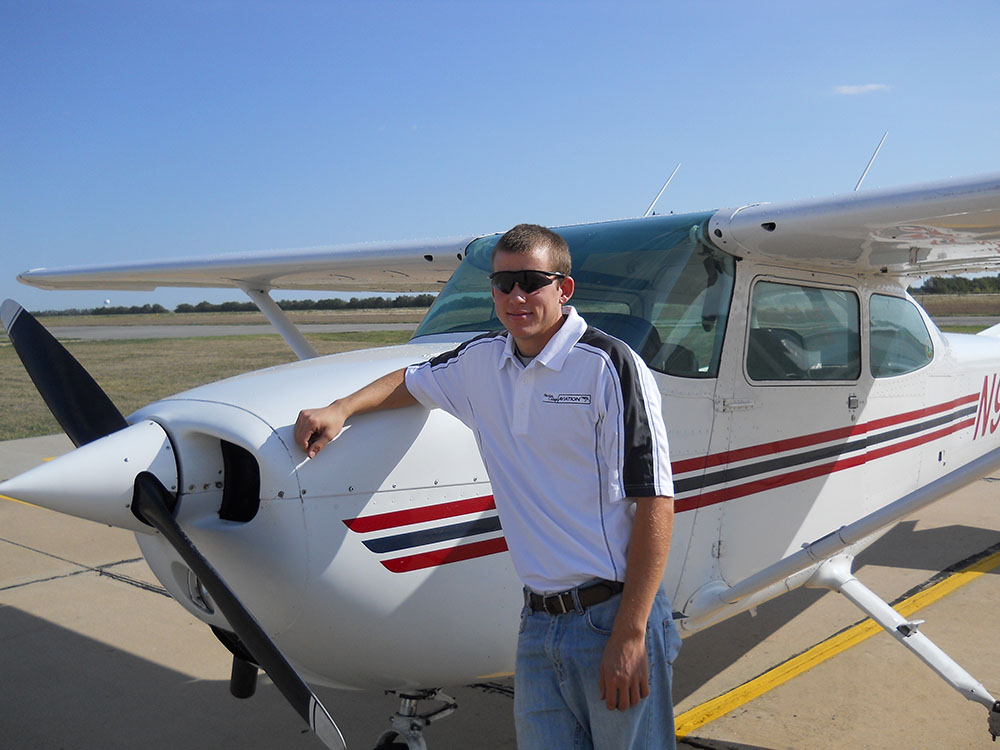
(811,405)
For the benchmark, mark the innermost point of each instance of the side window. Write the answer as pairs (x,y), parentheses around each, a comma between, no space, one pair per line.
(803,333)
(899,339)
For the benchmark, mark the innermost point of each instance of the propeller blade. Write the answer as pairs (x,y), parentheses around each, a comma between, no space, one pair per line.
(153,503)
(77,402)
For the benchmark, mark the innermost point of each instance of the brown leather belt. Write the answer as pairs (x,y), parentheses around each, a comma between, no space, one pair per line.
(563,602)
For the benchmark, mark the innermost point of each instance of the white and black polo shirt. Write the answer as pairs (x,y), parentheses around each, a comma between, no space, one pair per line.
(566,441)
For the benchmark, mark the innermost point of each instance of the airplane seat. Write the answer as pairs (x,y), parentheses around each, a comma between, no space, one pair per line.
(769,354)
(674,359)
(636,332)
(881,344)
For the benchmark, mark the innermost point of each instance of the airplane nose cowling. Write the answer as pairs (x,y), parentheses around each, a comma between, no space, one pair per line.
(96,480)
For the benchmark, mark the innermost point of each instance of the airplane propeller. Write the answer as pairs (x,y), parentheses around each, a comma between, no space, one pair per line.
(81,408)
(154,503)
(87,415)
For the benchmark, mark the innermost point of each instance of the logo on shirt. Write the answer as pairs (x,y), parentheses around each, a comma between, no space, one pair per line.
(566,398)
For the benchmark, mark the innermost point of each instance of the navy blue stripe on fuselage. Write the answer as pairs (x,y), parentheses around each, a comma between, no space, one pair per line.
(430,536)
(831,451)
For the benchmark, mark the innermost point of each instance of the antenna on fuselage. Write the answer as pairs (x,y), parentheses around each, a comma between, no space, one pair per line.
(871,161)
(650,209)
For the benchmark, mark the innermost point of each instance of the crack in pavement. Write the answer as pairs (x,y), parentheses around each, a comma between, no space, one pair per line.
(101,570)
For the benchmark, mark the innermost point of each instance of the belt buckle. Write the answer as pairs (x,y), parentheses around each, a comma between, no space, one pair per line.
(558,598)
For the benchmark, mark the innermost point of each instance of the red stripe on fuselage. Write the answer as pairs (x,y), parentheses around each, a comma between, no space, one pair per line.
(804,441)
(445,556)
(409,516)
(393,519)
(812,472)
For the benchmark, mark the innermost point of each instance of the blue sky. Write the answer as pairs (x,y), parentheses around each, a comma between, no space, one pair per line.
(148,129)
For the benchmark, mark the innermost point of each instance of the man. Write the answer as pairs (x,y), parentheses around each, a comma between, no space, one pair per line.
(568,423)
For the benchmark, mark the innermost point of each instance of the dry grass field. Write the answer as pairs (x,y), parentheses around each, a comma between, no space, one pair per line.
(136,372)
(948,305)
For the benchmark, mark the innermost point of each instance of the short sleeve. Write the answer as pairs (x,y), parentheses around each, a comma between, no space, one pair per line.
(444,381)
(635,434)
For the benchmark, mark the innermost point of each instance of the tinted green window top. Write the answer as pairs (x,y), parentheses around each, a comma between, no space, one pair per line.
(654,283)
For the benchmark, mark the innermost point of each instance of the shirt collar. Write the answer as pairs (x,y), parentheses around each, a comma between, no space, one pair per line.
(555,352)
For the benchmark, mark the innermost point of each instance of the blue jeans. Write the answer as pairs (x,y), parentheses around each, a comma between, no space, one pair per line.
(557,692)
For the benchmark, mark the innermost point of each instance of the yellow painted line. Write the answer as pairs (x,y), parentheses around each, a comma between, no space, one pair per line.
(701,715)
(495,676)
(15,500)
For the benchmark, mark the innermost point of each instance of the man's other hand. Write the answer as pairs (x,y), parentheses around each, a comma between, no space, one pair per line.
(624,672)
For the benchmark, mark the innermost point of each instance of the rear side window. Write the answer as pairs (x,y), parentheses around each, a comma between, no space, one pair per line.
(803,333)
(899,339)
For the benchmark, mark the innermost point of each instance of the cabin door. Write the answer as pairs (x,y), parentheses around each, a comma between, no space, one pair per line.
(794,457)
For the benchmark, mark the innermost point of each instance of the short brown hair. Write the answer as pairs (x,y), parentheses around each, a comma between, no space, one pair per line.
(526,238)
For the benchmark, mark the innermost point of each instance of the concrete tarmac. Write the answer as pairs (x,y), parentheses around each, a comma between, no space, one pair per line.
(93,654)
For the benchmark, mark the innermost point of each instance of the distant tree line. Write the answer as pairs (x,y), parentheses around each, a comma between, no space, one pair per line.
(135,309)
(959,285)
(354,303)
(110,310)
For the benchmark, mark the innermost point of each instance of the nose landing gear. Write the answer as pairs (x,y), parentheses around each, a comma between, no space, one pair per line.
(408,725)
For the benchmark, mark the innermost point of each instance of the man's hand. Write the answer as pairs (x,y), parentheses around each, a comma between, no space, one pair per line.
(314,428)
(624,671)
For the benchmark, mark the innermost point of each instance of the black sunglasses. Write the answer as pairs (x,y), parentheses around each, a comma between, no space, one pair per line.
(529,281)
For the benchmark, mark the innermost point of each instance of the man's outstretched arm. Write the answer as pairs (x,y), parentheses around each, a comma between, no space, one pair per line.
(314,428)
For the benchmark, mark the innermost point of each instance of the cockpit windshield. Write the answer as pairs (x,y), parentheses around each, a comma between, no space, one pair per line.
(655,283)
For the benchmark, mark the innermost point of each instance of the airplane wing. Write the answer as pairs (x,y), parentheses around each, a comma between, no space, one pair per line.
(944,227)
(415,266)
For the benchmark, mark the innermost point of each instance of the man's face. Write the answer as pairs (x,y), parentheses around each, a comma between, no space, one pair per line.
(531,318)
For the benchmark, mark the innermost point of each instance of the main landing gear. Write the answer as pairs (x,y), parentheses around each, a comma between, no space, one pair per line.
(835,574)
(408,725)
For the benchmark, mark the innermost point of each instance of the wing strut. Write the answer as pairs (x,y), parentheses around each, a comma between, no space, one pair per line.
(836,574)
(276,316)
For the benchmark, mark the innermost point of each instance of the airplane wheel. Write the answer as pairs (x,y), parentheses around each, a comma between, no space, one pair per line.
(391,741)
(387,745)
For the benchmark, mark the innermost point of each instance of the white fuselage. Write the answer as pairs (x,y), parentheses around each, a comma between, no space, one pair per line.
(381,562)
